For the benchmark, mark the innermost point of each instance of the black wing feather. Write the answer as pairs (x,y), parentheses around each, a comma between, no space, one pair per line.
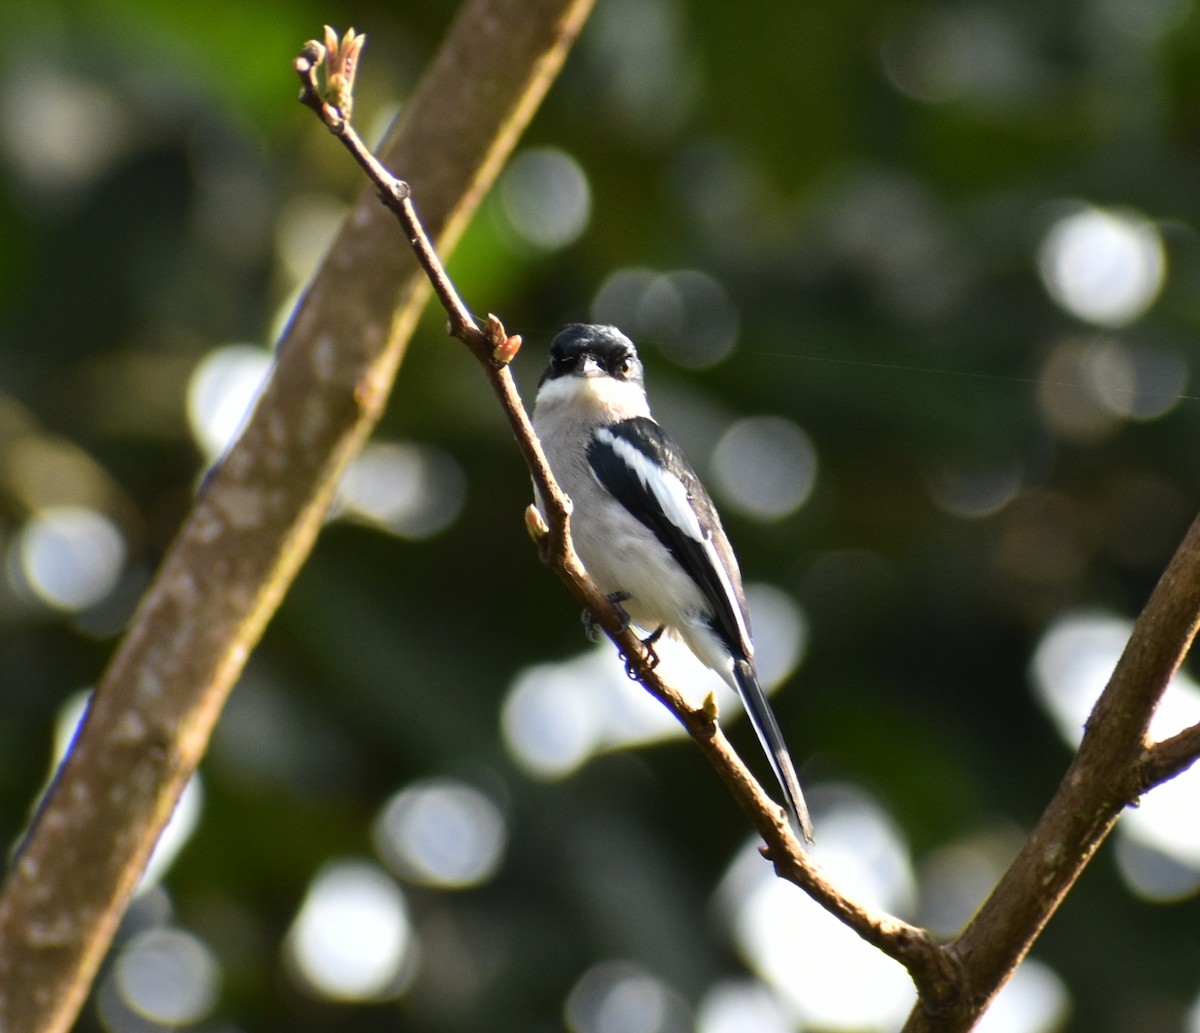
(624,484)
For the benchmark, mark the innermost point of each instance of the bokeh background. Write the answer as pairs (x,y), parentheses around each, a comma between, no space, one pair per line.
(916,285)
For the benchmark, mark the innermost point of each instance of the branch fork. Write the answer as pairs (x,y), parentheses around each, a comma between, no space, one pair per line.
(550,531)
(955,982)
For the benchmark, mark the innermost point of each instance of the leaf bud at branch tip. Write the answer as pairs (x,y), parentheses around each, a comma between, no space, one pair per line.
(340,61)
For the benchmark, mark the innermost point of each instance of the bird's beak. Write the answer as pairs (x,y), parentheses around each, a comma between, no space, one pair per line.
(589,367)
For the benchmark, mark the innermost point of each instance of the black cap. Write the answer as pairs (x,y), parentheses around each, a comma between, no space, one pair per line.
(612,350)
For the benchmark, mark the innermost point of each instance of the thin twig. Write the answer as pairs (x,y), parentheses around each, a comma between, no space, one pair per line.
(1112,768)
(395,193)
(1168,758)
(955,984)
(931,967)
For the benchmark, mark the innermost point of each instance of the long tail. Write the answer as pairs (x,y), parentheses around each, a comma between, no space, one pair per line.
(763,719)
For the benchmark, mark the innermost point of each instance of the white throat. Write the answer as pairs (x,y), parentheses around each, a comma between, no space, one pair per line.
(598,399)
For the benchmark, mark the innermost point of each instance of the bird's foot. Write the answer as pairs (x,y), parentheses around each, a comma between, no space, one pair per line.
(631,668)
(648,644)
(591,626)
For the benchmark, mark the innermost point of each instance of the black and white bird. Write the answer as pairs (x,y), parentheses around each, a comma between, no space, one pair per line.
(643,525)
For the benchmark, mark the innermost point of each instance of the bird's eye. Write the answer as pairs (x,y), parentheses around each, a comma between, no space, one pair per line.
(622,367)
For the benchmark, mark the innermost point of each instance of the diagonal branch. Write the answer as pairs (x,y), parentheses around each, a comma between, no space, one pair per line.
(931,967)
(1110,771)
(1113,766)
(955,984)
(258,516)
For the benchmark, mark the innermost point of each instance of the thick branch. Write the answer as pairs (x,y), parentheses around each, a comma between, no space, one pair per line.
(258,516)
(1108,772)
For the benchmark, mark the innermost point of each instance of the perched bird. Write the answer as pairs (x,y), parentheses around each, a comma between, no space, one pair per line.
(643,525)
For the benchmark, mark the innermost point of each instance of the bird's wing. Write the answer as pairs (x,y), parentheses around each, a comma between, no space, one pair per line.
(640,467)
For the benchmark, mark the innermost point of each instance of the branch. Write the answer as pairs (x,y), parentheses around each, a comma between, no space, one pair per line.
(1111,770)
(257,518)
(1113,766)
(931,968)
(1170,757)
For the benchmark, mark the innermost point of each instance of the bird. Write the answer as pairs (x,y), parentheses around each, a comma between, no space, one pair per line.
(643,525)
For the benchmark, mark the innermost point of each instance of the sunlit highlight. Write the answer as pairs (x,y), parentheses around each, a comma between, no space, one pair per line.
(70,557)
(413,491)
(974,491)
(40,471)
(441,832)
(1067,392)
(1192,1021)
(826,975)
(965,53)
(306,226)
(1072,665)
(1034,1000)
(1070,668)
(621,997)
(352,938)
(647,81)
(619,297)
(1103,266)
(167,976)
(691,317)
(557,716)
(59,131)
(1165,816)
(956,878)
(550,722)
(687,314)
(545,196)
(1088,385)
(766,466)
(737,1006)
(184,821)
(1136,382)
(1156,853)
(222,392)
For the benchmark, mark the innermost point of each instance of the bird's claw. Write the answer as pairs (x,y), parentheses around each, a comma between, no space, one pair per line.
(631,669)
(591,626)
(592,629)
(648,645)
